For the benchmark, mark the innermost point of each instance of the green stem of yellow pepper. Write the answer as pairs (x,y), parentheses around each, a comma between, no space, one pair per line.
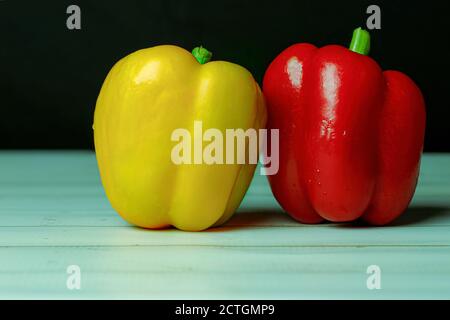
(202,55)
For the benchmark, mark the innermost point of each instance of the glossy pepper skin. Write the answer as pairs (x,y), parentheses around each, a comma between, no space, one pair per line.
(145,97)
(351,135)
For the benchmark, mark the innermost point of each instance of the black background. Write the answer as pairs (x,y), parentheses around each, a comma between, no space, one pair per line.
(50,76)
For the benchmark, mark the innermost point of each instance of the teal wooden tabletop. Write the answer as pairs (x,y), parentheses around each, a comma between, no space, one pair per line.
(59,238)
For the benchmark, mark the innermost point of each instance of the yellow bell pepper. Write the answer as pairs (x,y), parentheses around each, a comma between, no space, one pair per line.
(145,97)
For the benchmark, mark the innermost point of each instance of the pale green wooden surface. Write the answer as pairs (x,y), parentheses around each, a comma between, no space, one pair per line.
(53,213)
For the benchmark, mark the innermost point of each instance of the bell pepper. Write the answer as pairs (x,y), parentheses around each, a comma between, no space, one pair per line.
(144,99)
(351,135)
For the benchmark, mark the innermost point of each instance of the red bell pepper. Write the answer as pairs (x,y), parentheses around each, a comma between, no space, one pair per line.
(351,135)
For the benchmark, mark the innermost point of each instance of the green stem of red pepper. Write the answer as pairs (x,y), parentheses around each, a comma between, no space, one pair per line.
(201,54)
(360,41)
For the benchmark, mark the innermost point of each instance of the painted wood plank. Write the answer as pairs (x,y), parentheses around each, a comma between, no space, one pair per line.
(63,189)
(224,273)
(416,216)
(343,236)
(53,212)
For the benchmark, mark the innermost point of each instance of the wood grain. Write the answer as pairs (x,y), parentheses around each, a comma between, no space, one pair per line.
(53,213)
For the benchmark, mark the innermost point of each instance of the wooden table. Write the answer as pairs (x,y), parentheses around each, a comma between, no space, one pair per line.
(54,214)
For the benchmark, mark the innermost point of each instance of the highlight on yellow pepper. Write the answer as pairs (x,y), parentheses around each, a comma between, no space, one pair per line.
(146,97)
